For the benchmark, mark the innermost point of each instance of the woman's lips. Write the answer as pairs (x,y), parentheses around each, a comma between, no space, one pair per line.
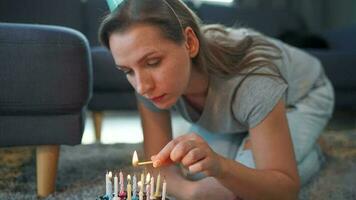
(158,99)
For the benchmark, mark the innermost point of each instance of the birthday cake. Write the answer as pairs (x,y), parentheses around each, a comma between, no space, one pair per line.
(145,189)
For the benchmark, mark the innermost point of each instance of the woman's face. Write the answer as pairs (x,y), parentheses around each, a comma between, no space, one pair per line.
(158,69)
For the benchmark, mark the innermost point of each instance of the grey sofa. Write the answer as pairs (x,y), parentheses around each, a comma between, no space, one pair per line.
(339,62)
(336,49)
(111,91)
(45,84)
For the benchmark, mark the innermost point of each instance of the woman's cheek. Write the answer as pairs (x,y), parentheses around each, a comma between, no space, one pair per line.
(132,81)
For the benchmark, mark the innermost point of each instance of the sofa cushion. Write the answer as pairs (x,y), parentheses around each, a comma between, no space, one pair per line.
(342,38)
(44,69)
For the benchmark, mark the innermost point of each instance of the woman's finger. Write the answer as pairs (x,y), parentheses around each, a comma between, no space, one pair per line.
(164,155)
(193,156)
(181,149)
(199,166)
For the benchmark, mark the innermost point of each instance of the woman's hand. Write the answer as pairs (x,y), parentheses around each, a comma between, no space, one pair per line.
(192,152)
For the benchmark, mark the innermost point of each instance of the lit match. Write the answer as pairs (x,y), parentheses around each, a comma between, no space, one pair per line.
(136,163)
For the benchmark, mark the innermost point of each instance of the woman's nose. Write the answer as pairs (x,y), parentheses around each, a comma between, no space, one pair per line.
(144,84)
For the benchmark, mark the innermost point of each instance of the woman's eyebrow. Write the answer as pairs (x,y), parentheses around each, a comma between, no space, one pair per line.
(146,55)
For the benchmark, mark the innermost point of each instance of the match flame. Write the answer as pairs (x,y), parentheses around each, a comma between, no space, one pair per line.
(135,159)
(148,178)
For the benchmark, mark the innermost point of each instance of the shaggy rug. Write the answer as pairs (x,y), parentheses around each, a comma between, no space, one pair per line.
(81,170)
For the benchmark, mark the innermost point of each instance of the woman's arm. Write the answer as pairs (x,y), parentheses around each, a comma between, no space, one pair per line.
(157,132)
(276,175)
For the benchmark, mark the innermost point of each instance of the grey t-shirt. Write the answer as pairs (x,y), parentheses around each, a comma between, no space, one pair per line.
(236,104)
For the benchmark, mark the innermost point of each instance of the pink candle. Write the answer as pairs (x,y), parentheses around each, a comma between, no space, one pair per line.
(122,187)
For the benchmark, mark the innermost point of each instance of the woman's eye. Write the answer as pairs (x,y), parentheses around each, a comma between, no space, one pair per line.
(125,70)
(153,62)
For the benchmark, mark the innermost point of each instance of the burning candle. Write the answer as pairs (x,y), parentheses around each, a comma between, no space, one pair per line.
(164,189)
(108,184)
(152,188)
(128,187)
(158,184)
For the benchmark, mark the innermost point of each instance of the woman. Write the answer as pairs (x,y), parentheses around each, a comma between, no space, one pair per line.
(250,100)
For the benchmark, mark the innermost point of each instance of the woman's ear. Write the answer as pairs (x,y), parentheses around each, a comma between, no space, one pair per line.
(191,42)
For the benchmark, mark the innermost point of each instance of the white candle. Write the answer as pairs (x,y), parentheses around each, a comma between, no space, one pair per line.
(152,188)
(164,189)
(158,185)
(148,178)
(134,186)
(128,187)
(142,181)
(140,194)
(148,192)
(116,186)
(108,182)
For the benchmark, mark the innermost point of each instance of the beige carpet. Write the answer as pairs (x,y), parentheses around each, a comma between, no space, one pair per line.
(82,168)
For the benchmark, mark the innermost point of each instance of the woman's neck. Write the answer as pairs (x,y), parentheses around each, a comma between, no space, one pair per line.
(197,90)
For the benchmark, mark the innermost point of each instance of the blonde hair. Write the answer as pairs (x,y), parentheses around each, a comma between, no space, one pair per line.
(219,53)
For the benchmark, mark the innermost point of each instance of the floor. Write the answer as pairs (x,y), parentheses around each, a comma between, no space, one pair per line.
(124,126)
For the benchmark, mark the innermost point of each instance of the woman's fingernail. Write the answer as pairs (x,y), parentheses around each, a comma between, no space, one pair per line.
(156,163)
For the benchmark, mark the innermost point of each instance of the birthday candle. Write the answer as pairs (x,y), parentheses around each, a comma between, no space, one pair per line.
(148,192)
(128,187)
(164,189)
(142,180)
(108,182)
(158,184)
(116,186)
(140,195)
(134,186)
(148,178)
(122,189)
(152,188)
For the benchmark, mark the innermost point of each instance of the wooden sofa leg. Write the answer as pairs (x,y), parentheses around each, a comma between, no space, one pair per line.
(98,121)
(46,163)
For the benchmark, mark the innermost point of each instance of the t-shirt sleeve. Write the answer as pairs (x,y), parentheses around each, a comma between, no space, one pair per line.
(256,97)
(147,103)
